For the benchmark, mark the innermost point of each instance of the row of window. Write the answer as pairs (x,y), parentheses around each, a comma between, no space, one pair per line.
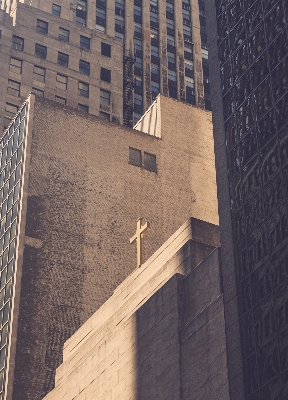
(85,42)
(145,160)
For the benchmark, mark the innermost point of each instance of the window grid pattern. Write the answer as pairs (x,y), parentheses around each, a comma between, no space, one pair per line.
(253,44)
(12,147)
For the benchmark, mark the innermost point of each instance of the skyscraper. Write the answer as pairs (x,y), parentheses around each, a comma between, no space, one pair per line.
(157,47)
(249,95)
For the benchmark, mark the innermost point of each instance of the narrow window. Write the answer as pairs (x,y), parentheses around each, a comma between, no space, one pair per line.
(105,49)
(83,108)
(60,100)
(56,10)
(149,161)
(39,74)
(104,97)
(63,59)
(42,26)
(84,67)
(135,157)
(84,42)
(83,89)
(104,115)
(10,110)
(61,82)
(37,92)
(81,12)
(105,75)
(17,43)
(15,66)
(40,51)
(63,35)
(13,88)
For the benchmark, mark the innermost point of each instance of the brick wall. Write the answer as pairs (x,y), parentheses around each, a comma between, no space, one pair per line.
(84,199)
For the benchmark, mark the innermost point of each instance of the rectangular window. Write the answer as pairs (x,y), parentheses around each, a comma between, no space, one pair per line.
(154,51)
(170,41)
(149,161)
(100,19)
(63,35)
(155,87)
(135,157)
(83,108)
(42,26)
(105,75)
(13,88)
(10,110)
(84,42)
(84,67)
(63,59)
(56,10)
(17,43)
(37,92)
(40,51)
(105,49)
(104,115)
(83,89)
(171,75)
(15,66)
(61,82)
(104,97)
(81,12)
(60,100)
(39,74)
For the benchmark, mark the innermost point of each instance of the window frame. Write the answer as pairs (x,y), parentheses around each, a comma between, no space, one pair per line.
(63,38)
(36,74)
(62,62)
(61,98)
(13,105)
(81,43)
(37,90)
(16,45)
(146,165)
(134,160)
(107,99)
(83,108)
(103,76)
(81,91)
(107,47)
(54,12)
(13,65)
(84,67)
(61,84)
(42,26)
(37,52)
(12,90)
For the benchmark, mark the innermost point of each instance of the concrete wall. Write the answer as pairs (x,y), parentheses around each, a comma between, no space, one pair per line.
(84,199)
(161,335)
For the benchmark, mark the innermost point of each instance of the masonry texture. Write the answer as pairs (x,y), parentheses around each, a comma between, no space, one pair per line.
(162,333)
(83,201)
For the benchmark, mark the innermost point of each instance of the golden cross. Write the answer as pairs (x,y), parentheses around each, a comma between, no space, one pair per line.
(138,236)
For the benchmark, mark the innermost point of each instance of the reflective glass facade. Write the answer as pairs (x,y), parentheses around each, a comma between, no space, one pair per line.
(253,52)
(12,147)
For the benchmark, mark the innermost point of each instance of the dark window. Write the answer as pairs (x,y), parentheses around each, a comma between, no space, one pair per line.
(84,67)
(81,12)
(40,51)
(61,82)
(105,49)
(83,89)
(104,115)
(37,92)
(104,97)
(10,110)
(84,42)
(83,108)
(149,161)
(17,43)
(63,59)
(135,157)
(42,26)
(172,92)
(105,75)
(15,66)
(60,100)
(13,88)
(63,35)
(56,10)
(39,74)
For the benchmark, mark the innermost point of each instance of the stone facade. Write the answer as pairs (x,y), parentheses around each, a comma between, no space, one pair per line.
(23,24)
(161,334)
(82,200)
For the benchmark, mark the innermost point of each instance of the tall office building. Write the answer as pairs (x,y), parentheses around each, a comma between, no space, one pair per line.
(154,47)
(249,92)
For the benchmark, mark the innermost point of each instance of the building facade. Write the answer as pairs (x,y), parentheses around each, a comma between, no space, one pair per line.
(164,50)
(59,60)
(72,188)
(249,102)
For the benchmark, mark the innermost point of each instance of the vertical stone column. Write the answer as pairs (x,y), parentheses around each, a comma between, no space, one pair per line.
(199,87)
(91,14)
(163,46)
(146,45)
(179,43)
(110,17)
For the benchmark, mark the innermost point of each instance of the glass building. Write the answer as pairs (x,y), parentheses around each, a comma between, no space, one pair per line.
(12,152)
(250,107)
